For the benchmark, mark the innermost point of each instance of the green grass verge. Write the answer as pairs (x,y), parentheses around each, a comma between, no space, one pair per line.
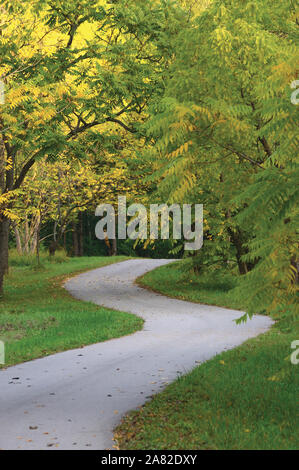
(246,398)
(38,317)
(211,288)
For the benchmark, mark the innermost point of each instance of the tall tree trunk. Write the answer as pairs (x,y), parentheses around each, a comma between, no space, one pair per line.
(75,240)
(18,239)
(236,239)
(53,247)
(4,234)
(81,237)
(114,247)
(35,233)
(38,245)
(6,183)
(54,243)
(26,236)
(64,242)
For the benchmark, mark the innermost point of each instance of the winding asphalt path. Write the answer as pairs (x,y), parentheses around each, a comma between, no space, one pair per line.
(74,399)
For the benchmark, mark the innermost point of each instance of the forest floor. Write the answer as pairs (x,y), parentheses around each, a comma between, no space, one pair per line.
(245,398)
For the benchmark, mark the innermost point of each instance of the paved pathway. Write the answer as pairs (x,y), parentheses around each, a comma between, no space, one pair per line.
(74,399)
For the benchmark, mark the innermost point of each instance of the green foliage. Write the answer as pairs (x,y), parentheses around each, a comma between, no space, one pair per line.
(78,80)
(189,102)
(225,134)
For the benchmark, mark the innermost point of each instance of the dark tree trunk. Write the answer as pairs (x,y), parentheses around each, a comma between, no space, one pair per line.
(38,246)
(236,239)
(18,239)
(4,234)
(81,236)
(53,247)
(58,237)
(75,240)
(54,243)
(114,247)
(64,242)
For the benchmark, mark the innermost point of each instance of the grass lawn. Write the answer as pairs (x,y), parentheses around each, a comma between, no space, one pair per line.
(174,281)
(38,317)
(246,398)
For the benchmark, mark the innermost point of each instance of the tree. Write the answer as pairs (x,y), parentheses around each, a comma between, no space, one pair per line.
(70,68)
(225,131)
